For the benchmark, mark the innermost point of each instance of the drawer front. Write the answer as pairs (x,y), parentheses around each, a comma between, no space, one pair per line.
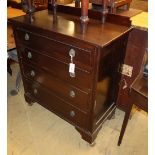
(57,68)
(55,104)
(71,94)
(56,49)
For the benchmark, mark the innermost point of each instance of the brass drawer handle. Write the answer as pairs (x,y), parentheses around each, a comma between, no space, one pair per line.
(72,113)
(72,94)
(32,73)
(72,53)
(27,36)
(72,64)
(35,91)
(29,55)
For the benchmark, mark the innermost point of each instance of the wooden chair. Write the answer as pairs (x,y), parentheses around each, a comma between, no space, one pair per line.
(114,4)
(11,47)
(138,96)
(40,4)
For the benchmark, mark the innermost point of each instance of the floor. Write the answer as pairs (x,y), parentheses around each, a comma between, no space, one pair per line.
(33,130)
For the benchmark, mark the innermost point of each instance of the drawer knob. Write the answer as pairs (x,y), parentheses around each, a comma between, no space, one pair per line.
(72,113)
(32,73)
(29,55)
(72,94)
(27,37)
(35,91)
(72,53)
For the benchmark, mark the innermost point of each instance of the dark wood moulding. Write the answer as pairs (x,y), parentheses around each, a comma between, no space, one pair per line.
(93,14)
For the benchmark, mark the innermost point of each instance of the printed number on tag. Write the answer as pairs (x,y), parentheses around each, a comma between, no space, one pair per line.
(72,68)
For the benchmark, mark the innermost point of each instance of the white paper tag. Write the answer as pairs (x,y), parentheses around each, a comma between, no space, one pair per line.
(72,68)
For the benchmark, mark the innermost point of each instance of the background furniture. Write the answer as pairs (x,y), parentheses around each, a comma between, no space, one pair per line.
(114,4)
(71,67)
(11,47)
(133,84)
(14,4)
(38,4)
(139,96)
(136,48)
(140,5)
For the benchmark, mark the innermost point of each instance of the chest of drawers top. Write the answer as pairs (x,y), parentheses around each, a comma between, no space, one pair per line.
(69,29)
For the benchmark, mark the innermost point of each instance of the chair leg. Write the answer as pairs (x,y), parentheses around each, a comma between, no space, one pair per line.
(9,70)
(17,85)
(124,125)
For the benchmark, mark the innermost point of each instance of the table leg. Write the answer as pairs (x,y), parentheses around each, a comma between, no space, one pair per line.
(9,70)
(124,125)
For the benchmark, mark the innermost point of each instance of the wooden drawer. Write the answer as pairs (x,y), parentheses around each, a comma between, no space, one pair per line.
(53,103)
(56,49)
(57,68)
(71,94)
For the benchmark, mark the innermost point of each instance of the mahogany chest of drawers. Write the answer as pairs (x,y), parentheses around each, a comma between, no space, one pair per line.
(85,98)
